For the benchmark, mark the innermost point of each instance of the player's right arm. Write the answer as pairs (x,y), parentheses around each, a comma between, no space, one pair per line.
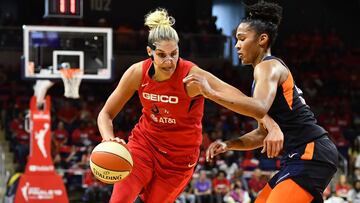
(129,83)
(248,141)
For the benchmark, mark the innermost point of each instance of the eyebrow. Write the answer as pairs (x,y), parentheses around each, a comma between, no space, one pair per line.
(240,34)
(157,49)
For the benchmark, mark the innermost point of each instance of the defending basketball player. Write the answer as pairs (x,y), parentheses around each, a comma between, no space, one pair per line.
(310,158)
(165,142)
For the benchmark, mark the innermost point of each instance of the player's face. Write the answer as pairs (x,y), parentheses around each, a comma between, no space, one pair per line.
(247,44)
(166,55)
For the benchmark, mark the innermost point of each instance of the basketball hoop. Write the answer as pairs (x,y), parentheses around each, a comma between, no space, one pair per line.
(72,78)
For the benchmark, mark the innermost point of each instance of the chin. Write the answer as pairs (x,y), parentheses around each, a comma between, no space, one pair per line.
(169,71)
(244,62)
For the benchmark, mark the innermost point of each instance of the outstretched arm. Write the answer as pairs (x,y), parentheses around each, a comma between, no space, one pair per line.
(271,141)
(266,75)
(249,141)
(127,86)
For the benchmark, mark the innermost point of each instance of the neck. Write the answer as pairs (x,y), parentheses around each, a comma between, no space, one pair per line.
(261,57)
(160,77)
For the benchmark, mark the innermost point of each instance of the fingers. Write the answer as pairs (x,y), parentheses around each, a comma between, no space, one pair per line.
(210,151)
(192,78)
(272,148)
(189,78)
(277,147)
(264,147)
(214,149)
(115,139)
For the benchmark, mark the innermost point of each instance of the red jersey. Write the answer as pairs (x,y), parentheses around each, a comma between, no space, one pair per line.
(171,120)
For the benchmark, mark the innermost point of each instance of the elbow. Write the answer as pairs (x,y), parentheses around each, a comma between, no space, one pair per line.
(260,112)
(103,115)
(99,118)
(258,115)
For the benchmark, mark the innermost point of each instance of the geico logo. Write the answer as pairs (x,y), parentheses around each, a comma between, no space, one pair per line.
(161,98)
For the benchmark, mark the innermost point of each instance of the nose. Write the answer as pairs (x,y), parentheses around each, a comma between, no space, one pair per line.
(168,59)
(237,45)
(167,62)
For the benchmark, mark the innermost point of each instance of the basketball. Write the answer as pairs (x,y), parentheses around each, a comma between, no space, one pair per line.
(110,162)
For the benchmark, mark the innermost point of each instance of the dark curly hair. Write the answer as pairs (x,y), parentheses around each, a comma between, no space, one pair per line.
(264,17)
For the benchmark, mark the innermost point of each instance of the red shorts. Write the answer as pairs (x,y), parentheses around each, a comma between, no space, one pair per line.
(157,176)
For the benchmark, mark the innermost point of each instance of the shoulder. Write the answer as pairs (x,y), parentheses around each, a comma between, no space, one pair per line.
(271,69)
(196,70)
(268,66)
(135,69)
(133,75)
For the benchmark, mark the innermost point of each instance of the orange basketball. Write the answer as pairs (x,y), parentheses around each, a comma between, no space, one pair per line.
(110,162)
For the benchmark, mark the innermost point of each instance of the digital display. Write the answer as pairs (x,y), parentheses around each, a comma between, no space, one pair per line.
(64,8)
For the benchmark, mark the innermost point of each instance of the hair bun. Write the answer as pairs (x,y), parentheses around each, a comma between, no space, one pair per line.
(159,17)
(265,11)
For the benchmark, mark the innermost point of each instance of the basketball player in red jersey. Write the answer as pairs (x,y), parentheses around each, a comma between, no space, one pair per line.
(165,142)
(310,158)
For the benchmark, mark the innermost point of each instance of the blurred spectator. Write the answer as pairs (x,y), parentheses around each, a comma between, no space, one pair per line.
(203,188)
(335,199)
(85,113)
(353,195)
(22,147)
(80,136)
(95,191)
(238,194)
(239,176)
(68,114)
(221,186)
(357,174)
(257,182)
(342,187)
(60,134)
(187,195)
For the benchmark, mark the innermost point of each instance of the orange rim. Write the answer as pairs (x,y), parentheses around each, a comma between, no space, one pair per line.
(69,72)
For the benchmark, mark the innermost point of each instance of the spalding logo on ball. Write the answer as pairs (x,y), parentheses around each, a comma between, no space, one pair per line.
(110,162)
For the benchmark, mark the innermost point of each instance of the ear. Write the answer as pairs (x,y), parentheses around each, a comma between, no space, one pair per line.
(149,51)
(263,39)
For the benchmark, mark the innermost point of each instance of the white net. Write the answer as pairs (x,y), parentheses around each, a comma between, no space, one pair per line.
(72,78)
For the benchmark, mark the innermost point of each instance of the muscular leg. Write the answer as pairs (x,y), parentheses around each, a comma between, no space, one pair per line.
(285,191)
(127,190)
(264,194)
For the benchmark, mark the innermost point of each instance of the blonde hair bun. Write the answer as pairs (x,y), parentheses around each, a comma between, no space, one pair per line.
(159,17)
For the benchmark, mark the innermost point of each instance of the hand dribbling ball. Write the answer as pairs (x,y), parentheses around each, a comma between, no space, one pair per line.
(110,162)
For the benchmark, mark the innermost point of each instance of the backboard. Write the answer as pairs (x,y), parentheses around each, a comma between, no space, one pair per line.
(47,49)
